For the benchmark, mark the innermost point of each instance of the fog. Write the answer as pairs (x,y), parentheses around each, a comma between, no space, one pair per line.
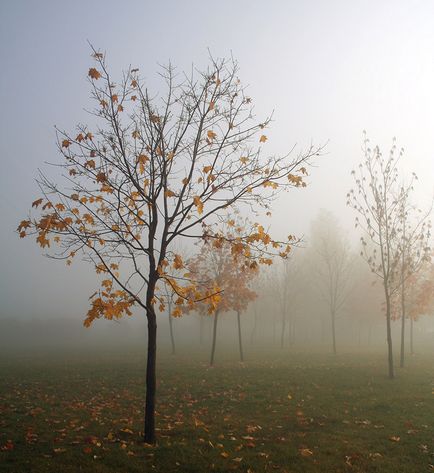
(328,70)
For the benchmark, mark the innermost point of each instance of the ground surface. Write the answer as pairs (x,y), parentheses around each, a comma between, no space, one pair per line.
(277,412)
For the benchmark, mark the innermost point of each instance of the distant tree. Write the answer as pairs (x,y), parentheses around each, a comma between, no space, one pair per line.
(377,200)
(331,264)
(418,299)
(414,235)
(153,172)
(219,265)
(285,289)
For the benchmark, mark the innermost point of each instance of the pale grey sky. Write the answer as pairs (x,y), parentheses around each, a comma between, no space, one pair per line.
(329,69)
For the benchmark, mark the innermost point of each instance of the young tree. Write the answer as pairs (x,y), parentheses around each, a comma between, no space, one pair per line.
(331,260)
(413,243)
(419,297)
(153,171)
(377,201)
(218,264)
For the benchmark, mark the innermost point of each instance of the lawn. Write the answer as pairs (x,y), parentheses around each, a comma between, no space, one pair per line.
(278,412)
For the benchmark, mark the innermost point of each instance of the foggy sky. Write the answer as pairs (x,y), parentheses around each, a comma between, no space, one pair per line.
(329,70)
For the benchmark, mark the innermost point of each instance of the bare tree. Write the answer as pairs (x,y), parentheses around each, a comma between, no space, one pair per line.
(377,200)
(331,265)
(154,171)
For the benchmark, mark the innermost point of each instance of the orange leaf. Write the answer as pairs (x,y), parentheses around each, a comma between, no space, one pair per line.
(94,74)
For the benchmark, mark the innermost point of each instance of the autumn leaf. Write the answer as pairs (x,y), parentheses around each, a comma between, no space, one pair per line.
(23,225)
(169,193)
(198,203)
(211,135)
(177,262)
(37,202)
(207,169)
(65,143)
(305,452)
(394,438)
(101,177)
(263,139)
(244,160)
(94,74)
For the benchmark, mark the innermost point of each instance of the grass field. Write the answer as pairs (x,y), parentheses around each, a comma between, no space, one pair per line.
(277,413)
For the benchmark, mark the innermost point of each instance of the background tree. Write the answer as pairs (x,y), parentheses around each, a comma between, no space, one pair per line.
(154,171)
(413,243)
(331,264)
(285,287)
(419,297)
(377,202)
(219,265)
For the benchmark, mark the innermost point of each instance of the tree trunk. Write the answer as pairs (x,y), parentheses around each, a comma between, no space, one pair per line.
(411,336)
(282,335)
(333,332)
(389,334)
(200,329)
(172,338)
(255,322)
(214,334)
(239,336)
(401,364)
(151,376)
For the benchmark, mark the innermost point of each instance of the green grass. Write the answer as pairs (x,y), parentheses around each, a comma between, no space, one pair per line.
(277,412)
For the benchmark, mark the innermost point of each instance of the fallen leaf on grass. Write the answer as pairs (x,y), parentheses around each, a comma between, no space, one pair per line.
(394,438)
(59,450)
(305,452)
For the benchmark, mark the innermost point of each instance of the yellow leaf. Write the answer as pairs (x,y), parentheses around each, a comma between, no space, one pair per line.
(262,139)
(198,203)
(207,169)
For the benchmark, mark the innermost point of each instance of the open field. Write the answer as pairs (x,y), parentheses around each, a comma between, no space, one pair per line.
(276,412)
